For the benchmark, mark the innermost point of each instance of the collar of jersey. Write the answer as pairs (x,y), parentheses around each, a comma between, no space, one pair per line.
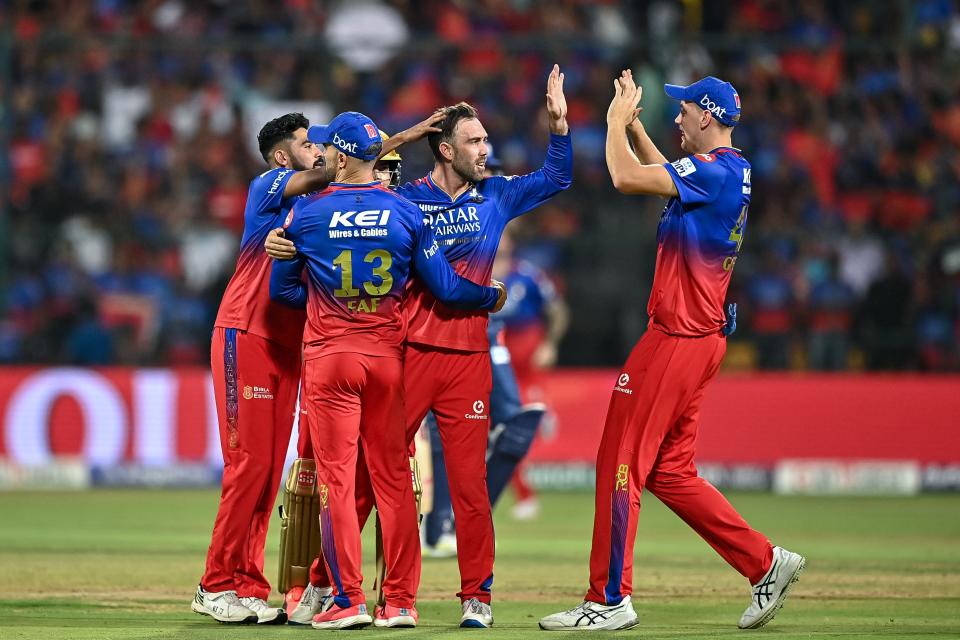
(353,185)
(734,149)
(434,186)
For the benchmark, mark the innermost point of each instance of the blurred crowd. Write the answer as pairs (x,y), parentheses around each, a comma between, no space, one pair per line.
(129,129)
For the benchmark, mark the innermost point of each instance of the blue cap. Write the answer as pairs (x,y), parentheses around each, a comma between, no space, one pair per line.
(712,94)
(493,162)
(352,133)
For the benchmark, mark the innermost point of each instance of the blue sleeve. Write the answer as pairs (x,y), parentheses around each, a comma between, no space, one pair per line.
(698,181)
(519,194)
(286,287)
(442,280)
(266,190)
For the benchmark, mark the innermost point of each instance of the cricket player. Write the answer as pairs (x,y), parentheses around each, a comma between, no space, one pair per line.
(255,358)
(651,428)
(358,242)
(446,361)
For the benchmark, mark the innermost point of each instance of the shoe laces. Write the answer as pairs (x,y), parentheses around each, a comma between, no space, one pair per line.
(230,597)
(310,595)
(254,604)
(475,606)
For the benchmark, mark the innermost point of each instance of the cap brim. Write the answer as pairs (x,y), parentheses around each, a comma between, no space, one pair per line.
(317,134)
(675,91)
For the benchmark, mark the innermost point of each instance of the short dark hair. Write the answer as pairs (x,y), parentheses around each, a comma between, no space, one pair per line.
(454,114)
(278,130)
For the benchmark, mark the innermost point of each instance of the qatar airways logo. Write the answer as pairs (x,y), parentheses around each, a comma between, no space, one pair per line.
(369,218)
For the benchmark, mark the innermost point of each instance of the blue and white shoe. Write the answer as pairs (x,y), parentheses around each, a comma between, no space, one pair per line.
(476,614)
(593,616)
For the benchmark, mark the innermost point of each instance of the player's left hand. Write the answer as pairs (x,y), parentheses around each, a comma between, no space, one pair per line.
(278,247)
(626,95)
(556,102)
(502,298)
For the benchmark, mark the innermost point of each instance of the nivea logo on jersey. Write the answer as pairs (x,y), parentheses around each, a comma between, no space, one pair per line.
(277,181)
(712,106)
(347,147)
(369,218)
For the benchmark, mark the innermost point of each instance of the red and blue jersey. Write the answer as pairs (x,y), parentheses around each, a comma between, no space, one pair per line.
(529,291)
(698,239)
(246,303)
(468,229)
(359,245)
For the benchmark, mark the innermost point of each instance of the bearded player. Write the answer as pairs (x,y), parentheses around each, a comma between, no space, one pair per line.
(255,358)
(446,361)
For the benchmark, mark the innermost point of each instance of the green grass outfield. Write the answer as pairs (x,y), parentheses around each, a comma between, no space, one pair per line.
(124,564)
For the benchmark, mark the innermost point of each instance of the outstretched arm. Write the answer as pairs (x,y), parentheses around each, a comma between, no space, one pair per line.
(308,181)
(414,133)
(448,287)
(628,173)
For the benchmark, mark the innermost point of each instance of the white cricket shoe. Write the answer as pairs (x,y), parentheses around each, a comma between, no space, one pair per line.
(222,606)
(265,613)
(527,509)
(476,614)
(771,591)
(446,547)
(313,601)
(593,616)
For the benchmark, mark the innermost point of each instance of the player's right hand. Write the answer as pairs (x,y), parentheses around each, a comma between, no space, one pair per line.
(502,298)
(626,95)
(278,247)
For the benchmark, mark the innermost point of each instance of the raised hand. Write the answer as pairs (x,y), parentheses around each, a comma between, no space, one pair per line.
(556,102)
(626,95)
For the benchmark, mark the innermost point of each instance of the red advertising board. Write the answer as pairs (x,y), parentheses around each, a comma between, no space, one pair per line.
(161,416)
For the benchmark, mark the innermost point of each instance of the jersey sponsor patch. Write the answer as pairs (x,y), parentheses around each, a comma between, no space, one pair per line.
(706,157)
(684,167)
(289,220)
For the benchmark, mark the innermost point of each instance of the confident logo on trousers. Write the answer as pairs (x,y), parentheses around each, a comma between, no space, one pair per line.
(622,383)
(478,409)
(623,472)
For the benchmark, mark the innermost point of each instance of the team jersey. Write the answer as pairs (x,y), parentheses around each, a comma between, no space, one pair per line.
(529,291)
(359,244)
(468,230)
(246,303)
(698,239)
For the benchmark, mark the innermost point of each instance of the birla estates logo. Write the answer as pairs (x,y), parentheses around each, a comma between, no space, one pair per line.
(622,383)
(257,393)
(478,411)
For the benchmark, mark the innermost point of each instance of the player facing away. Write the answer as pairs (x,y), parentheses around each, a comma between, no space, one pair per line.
(359,243)
(446,362)
(651,427)
(255,358)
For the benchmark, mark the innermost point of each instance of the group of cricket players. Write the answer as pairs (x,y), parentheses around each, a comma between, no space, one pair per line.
(368,300)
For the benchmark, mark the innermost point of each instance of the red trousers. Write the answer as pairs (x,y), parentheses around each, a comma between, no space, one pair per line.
(255,384)
(455,385)
(648,441)
(355,401)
